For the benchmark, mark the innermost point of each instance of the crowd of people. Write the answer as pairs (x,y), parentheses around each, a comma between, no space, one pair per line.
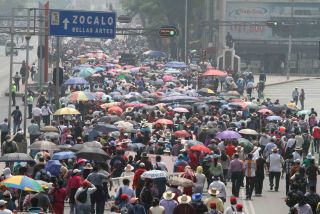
(125,122)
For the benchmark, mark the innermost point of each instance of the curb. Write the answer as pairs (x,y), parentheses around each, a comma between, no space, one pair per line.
(288,81)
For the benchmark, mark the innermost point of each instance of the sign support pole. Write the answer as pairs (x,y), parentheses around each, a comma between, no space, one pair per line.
(57,73)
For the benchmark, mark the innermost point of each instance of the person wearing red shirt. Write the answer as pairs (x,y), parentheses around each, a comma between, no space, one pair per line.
(194,162)
(230,149)
(74,183)
(316,137)
(136,183)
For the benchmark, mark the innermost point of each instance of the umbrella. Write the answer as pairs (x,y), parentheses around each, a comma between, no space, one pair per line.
(115,110)
(265,111)
(105,128)
(124,125)
(108,105)
(205,91)
(274,118)
(22,182)
(76,81)
(44,184)
(77,147)
(49,129)
(179,181)
(248,132)
(176,64)
(176,99)
(153,174)
(304,112)
(99,95)
(66,111)
(201,148)
(135,146)
(246,144)
(167,78)
(86,72)
(109,119)
(95,144)
(15,157)
(80,96)
(181,110)
(214,72)
(92,153)
(155,54)
(51,135)
(63,155)
(228,135)
(44,145)
(181,133)
(164,122)
(53,166)
(193,142)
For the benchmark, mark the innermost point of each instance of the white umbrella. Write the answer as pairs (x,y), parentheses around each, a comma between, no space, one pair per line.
(153,174)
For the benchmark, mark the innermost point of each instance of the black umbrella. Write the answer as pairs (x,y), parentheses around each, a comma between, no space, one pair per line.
(44,145)
(77,147)
(92,153)
(13,157)
(105,128)
(109,119)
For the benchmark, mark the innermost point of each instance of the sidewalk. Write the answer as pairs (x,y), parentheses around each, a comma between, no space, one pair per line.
(276,80)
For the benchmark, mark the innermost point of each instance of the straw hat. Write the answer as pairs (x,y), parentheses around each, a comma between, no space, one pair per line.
(275,149)
(213,191)
(166,150)
(184,199)
(129,109)
(128,168)
(168,195)
(88,166)
(239,148)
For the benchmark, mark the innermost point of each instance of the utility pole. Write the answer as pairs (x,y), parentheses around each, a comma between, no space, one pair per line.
(290,43)
(57,73)
(11,68)
(28,37)
(186,32)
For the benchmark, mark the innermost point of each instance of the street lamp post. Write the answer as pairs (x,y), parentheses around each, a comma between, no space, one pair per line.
(290,44)
(186,32)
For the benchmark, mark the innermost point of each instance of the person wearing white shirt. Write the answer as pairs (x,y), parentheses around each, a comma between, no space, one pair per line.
(36,113)
(275,162)
(45,112)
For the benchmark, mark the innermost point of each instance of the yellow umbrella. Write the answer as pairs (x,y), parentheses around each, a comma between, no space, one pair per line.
(66,111)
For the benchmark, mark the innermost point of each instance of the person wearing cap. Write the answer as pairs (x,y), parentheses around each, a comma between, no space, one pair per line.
(232,208)
(213,197)
(184,205)
(180,164)
(74,183)
(125,189)
(84,207)
(168,202)
(198,204)
(239,208)
(128,171)
(136,183)
(296,153)
(274,162)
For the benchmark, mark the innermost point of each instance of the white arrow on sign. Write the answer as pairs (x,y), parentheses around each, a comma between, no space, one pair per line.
(65,23)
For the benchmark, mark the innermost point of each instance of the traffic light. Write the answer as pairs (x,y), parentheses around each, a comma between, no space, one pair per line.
(272,23)
(169,31)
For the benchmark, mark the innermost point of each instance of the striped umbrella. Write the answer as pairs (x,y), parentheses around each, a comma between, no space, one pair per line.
(22,182)
(80,96)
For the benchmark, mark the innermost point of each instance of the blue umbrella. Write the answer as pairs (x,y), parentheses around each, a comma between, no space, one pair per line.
(228,135)
(86,72)
(274,118)
(53,166)
(76,81)
(176,64)
(155,53)
(99,69)
(63,155)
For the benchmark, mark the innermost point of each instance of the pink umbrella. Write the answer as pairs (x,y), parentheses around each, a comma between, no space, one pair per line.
(181,110)
(167,78)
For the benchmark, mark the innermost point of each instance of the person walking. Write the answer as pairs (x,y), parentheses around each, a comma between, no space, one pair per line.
(13,90)
(4,127)
(9,146)
(236,171)
(168,202)
(200,180)
(295,96)
(30,105)
(84,202)
(17,119)
(74,183)
(156,208)
(260,166)
(16,79)
(184,205)
(302,97)
(34,131)
(36,114)
(59,194)
(274,162)
(249,171)
(286,169)
(46,112)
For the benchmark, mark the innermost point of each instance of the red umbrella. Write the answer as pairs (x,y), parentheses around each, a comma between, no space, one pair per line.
(164,122)
(265,111)
(181,133)
(201,148)
(115,110)
(214,72)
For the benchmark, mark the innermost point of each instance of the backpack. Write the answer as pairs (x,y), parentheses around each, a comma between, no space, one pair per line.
(158,167)
(44,175)
(82,197)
